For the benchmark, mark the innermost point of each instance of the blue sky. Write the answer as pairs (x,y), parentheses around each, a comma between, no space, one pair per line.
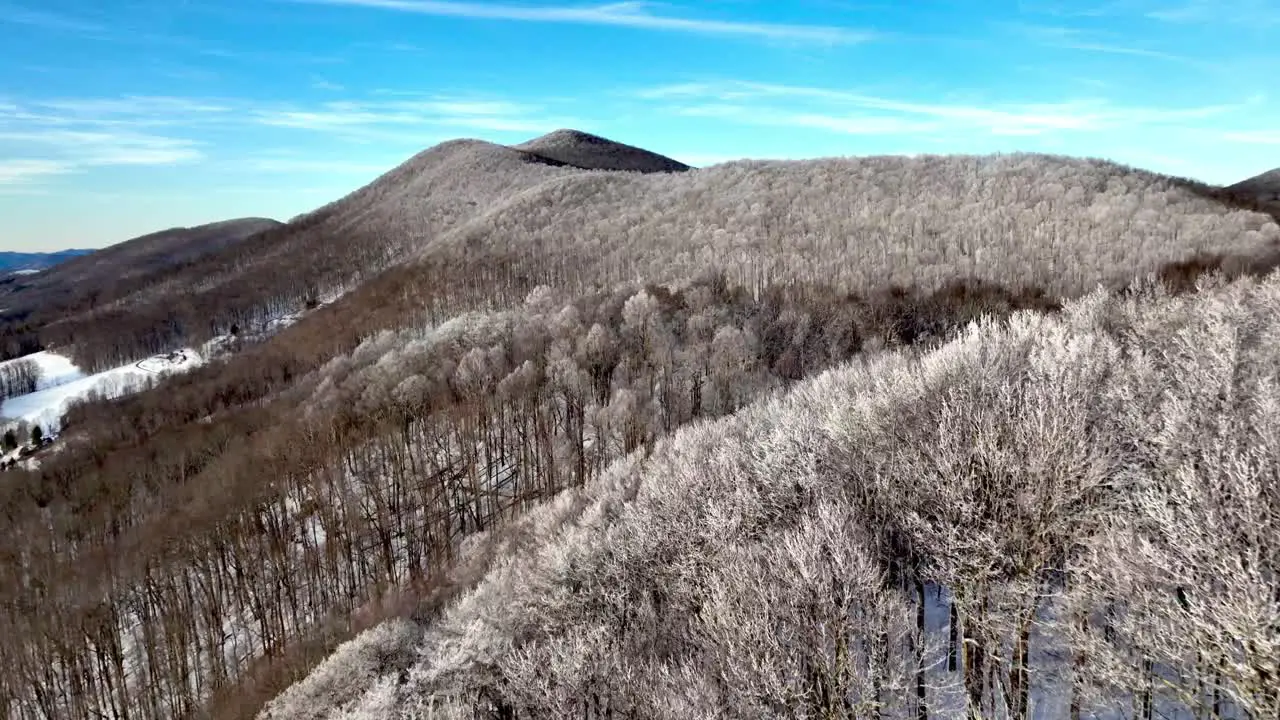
(120,117)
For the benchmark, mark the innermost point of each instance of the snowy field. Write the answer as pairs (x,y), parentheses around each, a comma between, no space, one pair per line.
(55,369)
(61,383)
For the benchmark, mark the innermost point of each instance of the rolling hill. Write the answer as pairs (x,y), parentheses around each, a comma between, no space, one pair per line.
(152,254)
(1264,187)
(579,333)
(76,288)
(159,252)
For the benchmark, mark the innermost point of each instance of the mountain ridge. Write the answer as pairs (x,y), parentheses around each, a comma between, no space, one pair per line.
(450,190)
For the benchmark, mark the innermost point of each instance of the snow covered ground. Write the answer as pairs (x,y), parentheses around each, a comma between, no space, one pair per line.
(62,382)
(55,369)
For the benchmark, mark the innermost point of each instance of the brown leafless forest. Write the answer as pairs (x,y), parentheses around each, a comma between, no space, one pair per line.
(18,377)
(874,437)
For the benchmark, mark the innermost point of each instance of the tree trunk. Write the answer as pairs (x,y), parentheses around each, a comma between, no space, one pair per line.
(922,707)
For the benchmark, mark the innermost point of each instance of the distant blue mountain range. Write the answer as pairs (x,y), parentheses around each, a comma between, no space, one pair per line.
(11,262)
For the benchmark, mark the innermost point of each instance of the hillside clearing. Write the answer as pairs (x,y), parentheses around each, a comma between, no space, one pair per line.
(66,384)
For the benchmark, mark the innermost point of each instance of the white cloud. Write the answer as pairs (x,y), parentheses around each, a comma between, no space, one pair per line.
(331,119)
(1254,13)
(56,136)
(1069,38)
(860,125)
(124,112)
(44,20)
(470,107)
(498,124)
(1259,137)
(1118,50)
(319,83)
(142,155)
(621,14)
(1057,8)
(60,136)
(79,148)
(133,106)
(845,124)
(303,165)
(859,113)
(23,171)
(369,119)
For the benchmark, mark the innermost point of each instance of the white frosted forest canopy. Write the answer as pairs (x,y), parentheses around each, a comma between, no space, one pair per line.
(1093,495)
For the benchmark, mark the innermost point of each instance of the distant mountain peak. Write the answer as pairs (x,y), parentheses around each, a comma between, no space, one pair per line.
(592,152)
(569,135)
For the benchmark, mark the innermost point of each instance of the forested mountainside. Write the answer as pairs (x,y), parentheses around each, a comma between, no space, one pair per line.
(192,550)
(1070,516)
(73,291)
(513,219)
(24,262)
(341,245)
(1040,221)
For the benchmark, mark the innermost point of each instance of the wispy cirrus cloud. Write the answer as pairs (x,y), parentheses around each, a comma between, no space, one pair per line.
(325,167)
(858,113)
(1255,13)
(134,105)
(122,28)
(319,83)
(1072,9)
(45,20)
(1258,137)
(22,171)
(848,124)
(63,136)
(138,110)
(1070,38)
(638,15)
(373,119)
(112,27)
(1118,50)
(80,148)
